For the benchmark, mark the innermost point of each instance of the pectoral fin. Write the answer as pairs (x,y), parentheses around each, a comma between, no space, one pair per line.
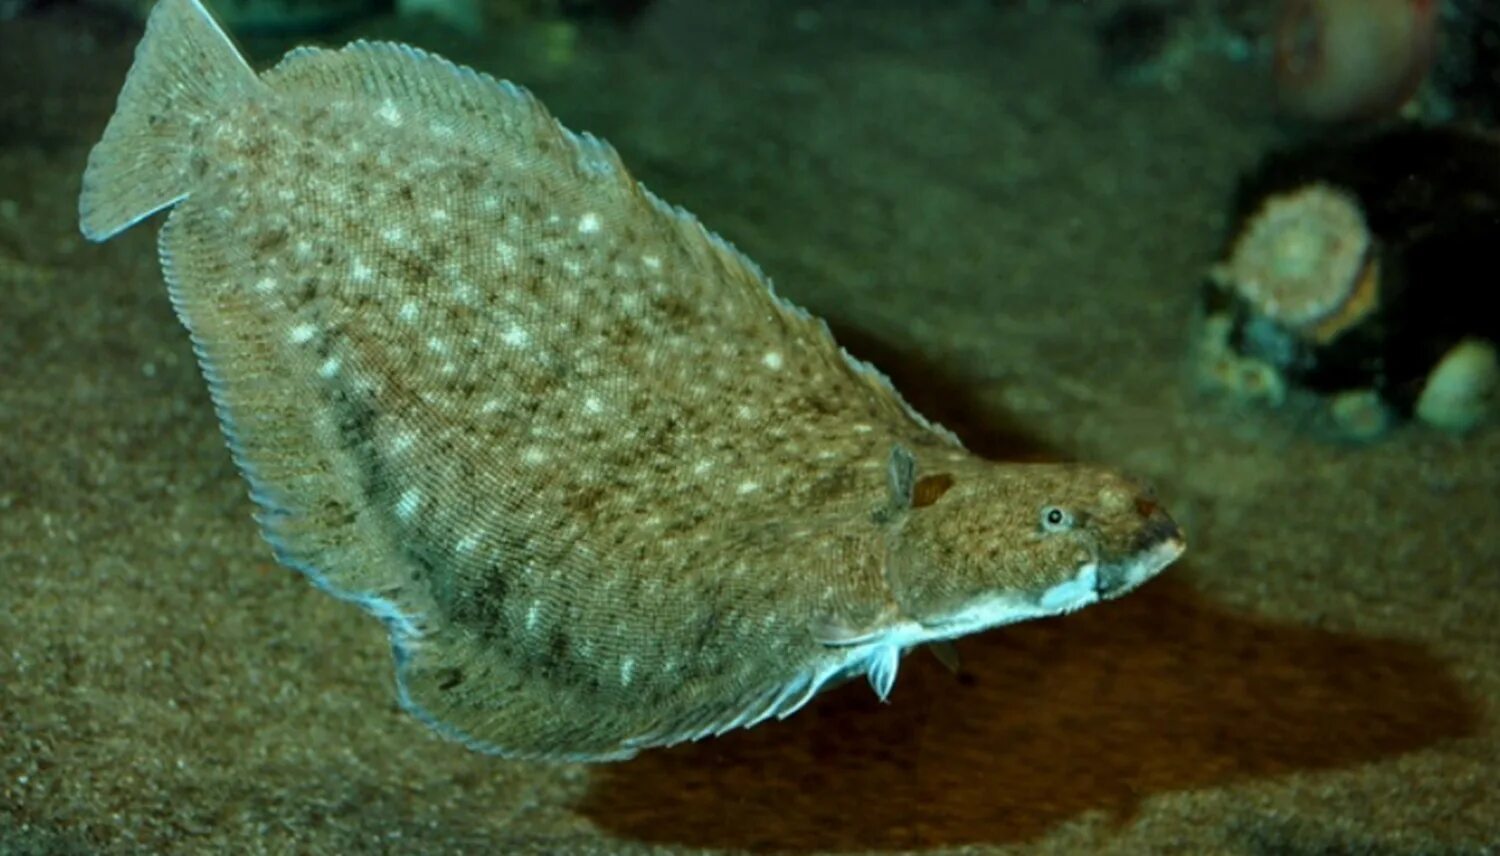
(874,651)
(901,477)
(947,654)
(881,668)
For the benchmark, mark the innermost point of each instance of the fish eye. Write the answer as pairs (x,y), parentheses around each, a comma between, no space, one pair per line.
(1056,519)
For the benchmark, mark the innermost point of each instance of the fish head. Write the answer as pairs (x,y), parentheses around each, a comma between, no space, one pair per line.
(1002,543)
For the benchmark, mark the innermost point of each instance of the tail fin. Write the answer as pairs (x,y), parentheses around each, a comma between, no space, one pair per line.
(185,70)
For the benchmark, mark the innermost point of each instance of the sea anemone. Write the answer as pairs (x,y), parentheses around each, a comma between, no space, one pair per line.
(1348,60)
(1306,261)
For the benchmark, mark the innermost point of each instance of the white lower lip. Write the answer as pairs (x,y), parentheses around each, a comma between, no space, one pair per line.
(1074,594)
(1082,590)
(1150,563)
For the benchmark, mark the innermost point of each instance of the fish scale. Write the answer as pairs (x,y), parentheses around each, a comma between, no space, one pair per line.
(605,488)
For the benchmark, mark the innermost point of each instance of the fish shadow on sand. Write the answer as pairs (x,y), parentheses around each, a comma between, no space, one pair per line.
(1159,692)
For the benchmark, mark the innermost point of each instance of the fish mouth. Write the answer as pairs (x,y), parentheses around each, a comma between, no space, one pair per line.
(1158,545)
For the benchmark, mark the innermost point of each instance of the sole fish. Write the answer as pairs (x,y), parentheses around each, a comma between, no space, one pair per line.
(606,490)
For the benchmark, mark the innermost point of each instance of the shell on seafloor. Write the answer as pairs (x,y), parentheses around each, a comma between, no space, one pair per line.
(1352,60)
(1356,273)
(1305,260)
(1460,393)
(1221,369)
(1360,414)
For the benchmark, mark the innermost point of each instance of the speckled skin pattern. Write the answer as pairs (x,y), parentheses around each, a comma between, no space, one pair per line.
(605,489)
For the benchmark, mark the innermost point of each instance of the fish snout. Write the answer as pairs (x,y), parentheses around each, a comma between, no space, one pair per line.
(1155,545)
(1159,530)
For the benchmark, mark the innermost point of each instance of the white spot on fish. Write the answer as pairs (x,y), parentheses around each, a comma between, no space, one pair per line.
(651,262)
(592,405)
(532,615)
(748,487)
(266,285)
(330,367)
(467,544)
(588,223)
(389,112)
(437,346)
(409,311)
(302,333)
(506,252)
(772,360)
(438,215)
(408,504)
(627,668)
(403,441)
(361,272)
(533,456)
(394,234)
(515,336)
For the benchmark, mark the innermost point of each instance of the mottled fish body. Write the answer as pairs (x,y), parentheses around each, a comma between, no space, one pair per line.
(606,490)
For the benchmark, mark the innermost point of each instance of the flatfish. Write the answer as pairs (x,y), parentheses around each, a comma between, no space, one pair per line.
(606,490)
